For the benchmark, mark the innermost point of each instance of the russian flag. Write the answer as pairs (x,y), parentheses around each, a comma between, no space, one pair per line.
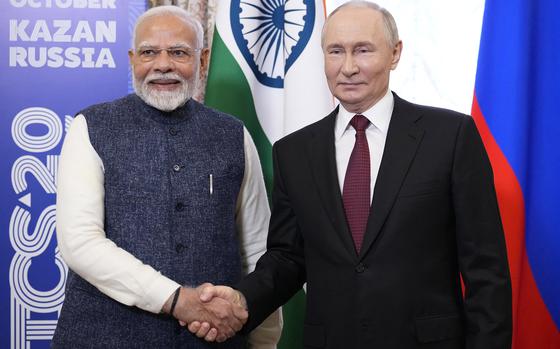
(517,110)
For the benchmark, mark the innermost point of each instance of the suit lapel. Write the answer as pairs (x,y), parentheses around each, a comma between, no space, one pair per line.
(321,153)
(403,139)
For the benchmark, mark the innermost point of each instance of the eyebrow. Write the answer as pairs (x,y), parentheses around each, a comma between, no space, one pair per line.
(364,43)
(357,44)
(333,46)
(145,44)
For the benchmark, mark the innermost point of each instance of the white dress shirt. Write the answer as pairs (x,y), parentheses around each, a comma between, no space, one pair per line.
(379,117)
(119,274)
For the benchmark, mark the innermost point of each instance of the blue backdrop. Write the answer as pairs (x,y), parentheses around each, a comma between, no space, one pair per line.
(56,57)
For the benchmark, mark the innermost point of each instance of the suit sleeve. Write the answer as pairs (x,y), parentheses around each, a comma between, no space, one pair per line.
(280,272)
(480,244)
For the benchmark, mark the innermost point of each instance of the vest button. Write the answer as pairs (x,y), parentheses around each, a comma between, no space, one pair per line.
(360,268)
(176,168)
(180,206)
(179,248)
(172,131)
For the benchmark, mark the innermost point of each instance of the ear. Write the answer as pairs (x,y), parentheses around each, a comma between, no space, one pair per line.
(131,57)
(397,49)
(204,61)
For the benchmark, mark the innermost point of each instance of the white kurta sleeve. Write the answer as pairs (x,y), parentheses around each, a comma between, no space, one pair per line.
(81,235)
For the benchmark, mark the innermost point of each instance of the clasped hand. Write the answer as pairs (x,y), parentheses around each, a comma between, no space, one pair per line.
(214,313)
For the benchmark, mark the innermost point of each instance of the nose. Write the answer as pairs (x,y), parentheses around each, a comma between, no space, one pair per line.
(163,63)
(349,66)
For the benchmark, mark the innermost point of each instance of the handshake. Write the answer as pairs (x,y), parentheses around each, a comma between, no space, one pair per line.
(214,313)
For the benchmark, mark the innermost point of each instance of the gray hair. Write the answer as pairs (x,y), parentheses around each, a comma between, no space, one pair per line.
(391,31)
(170,10)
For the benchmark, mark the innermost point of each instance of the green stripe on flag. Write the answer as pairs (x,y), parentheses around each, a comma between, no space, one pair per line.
(228,90)
(294,313)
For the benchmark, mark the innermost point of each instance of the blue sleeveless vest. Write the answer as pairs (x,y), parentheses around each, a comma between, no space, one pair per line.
(171,187)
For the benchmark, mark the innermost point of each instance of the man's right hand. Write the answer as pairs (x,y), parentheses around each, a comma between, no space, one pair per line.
(215,318)
(210,294)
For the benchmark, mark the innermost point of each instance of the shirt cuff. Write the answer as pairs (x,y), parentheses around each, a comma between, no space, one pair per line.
(157,294)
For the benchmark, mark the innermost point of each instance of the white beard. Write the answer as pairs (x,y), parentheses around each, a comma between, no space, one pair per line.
(165,100)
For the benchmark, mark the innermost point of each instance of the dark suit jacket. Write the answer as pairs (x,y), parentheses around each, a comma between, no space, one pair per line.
(433,218)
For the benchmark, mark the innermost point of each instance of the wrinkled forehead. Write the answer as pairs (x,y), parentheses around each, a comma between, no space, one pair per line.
(165,31)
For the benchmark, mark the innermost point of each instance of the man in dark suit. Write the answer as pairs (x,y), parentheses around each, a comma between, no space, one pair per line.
(382,207)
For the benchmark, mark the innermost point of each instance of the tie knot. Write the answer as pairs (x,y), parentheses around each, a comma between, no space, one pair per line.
(359,122)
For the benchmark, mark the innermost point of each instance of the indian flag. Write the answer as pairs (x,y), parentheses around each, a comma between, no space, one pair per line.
(266,68)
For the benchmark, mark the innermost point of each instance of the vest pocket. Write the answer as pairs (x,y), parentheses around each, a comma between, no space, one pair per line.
(218,189)
(436,328)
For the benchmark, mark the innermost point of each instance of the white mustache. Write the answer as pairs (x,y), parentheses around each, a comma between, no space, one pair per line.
(166,76)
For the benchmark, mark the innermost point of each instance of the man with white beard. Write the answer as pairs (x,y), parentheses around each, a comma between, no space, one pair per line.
(157,194)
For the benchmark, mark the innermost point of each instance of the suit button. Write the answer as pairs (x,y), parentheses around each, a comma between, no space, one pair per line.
(176,168)
(179,207)
(179,248)
(172,131)
(360,268)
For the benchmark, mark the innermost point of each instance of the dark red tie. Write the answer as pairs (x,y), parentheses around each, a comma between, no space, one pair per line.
(356,190)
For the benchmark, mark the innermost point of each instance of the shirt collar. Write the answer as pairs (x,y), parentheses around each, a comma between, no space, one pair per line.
(379,115)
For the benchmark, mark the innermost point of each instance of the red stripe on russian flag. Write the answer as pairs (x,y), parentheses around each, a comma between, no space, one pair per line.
(533,327)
